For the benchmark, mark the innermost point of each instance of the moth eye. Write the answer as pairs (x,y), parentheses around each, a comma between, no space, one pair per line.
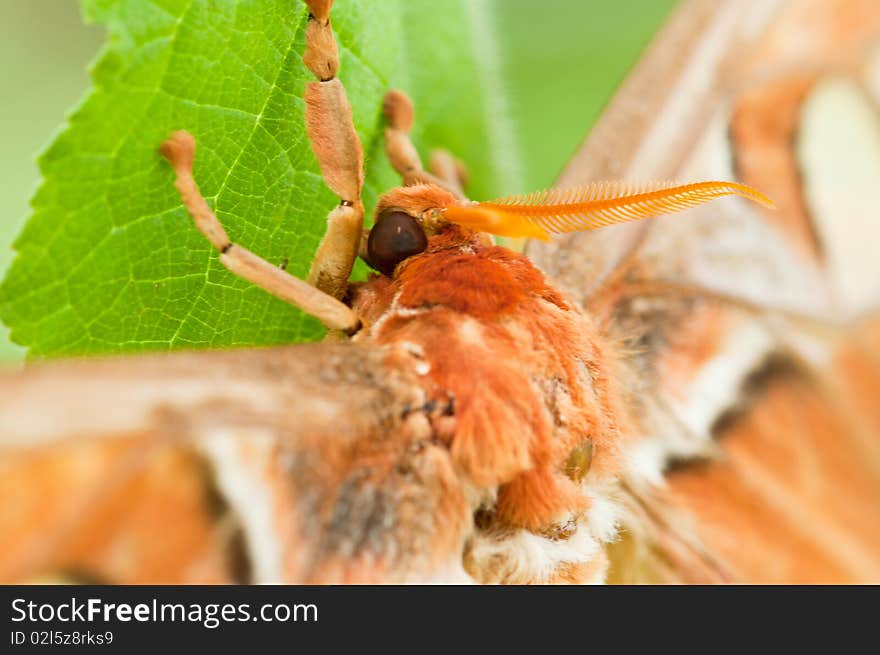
(579,460)
(394,237)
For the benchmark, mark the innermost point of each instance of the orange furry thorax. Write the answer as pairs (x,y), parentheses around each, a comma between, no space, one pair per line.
(530,375)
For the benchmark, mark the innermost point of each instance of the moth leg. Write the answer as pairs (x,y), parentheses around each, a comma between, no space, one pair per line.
(402,153)
(331,132)
(448,169)
(179,150)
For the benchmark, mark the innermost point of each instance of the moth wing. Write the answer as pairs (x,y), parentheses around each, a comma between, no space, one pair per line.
(794,499)
(719,304)
(692,109)
(205,468)
(790,497)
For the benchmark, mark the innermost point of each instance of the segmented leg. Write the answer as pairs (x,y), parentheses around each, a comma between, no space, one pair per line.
(336,145)
(448,169)
(179,149)
(402,153)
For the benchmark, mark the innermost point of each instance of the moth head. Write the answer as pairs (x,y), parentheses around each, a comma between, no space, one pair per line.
(535,215)
(405,219)
(435,208)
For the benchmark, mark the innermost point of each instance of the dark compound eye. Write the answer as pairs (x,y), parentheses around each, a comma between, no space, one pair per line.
(394,237)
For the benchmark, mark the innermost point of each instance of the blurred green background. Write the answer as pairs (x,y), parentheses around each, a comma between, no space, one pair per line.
(561,60)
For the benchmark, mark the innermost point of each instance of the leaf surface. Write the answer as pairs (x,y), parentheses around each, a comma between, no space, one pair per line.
(109,261)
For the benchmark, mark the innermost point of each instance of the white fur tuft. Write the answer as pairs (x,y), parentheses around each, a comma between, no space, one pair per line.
(240,461)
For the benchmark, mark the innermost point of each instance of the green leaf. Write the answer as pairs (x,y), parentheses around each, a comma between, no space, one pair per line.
(109,260)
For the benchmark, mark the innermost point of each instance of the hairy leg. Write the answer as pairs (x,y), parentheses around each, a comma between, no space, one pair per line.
(179,150)
(338,150)
(336,145)
(448,169)
(402,153)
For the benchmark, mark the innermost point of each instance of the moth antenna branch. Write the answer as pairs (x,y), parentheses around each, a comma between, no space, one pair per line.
(557,211)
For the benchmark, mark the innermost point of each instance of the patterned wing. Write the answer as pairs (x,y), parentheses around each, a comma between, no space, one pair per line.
(759,458)
(302,464)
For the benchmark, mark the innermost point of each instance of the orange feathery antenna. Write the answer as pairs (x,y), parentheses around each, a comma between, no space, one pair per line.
(539,214)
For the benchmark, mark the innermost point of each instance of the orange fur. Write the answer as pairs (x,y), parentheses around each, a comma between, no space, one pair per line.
(529,377)
(419,200)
